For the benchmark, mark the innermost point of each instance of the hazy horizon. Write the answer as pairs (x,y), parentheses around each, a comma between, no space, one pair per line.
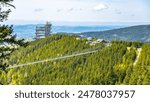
(66,23)
(80,12)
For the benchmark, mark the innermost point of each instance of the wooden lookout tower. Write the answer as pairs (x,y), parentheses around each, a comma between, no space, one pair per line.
(43,30)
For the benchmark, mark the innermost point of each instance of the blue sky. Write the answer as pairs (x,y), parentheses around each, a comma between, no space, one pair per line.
(31,11)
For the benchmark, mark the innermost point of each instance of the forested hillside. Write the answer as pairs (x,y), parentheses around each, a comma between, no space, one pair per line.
(135,33)
(116,63)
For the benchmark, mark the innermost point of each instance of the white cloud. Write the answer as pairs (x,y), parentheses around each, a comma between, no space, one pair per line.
(100,7)
(59,10)
(71,9)
(38,10)
(81,10)
(118,11)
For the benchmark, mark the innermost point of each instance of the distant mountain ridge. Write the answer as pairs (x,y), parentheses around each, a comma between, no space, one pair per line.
(133,33)
(28,31)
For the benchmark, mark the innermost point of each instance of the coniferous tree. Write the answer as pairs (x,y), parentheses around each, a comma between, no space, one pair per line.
(8,41)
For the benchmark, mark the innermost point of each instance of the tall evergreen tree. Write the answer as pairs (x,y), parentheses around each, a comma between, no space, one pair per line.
(8,41)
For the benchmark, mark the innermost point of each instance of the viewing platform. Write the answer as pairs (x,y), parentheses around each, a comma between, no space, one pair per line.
(43,30)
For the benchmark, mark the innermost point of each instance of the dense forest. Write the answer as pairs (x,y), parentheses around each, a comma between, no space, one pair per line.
(134,33)
(116,63)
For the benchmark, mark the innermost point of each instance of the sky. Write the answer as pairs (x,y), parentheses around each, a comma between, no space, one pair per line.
(96,11)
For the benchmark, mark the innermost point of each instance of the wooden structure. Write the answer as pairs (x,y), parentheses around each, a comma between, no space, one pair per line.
(43,30)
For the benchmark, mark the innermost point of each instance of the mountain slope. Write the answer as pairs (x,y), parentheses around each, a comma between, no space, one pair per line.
(109,66)
(134,33)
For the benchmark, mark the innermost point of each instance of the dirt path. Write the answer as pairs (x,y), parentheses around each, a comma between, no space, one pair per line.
(137,58)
